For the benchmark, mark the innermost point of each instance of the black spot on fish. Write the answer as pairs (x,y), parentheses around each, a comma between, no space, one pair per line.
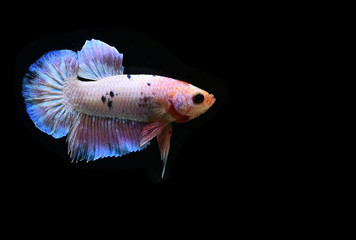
(103,99)
(107,93)
(145,102)
(148,84)
(109,103)
(128,76)
(111,94)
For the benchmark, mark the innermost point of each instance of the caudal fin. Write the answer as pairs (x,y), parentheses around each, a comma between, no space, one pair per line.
(42,90)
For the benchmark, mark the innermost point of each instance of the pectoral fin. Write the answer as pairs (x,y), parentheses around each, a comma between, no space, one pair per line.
(163,131)
(150,131)
(164,139)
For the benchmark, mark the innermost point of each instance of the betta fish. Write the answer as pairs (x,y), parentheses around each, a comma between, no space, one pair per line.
(111,113)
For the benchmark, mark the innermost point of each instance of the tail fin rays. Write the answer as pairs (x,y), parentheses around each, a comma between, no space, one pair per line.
(42,90)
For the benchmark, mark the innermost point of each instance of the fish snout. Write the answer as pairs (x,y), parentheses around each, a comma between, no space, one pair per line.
(211,99)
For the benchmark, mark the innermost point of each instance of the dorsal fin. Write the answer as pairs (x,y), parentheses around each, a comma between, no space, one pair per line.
(98,60)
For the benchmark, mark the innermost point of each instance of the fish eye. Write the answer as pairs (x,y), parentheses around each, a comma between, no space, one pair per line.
(198,98)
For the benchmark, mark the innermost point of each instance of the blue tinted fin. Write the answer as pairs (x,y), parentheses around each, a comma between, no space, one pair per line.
(93,137)
(42,89)
(98,60)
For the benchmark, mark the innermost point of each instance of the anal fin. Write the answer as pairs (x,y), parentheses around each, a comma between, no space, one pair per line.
(93,137)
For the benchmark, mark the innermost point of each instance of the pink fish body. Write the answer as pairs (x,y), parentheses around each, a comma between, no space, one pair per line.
(112,113)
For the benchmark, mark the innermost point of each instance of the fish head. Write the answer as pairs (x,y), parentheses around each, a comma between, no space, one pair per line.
(189,102)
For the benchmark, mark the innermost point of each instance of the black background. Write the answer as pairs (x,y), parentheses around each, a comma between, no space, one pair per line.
(218,53)
(200,149)
(240,164)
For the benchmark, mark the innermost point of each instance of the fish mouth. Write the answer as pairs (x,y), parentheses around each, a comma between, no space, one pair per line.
(211,99)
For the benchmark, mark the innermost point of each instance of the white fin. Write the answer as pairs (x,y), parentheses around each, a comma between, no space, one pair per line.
(164,139)
(163,131)
(98,60)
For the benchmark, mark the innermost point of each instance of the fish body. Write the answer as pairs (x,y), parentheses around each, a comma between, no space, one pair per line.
(132,97)
(110,114)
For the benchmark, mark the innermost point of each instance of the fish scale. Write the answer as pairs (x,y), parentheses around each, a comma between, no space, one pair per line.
(132,98)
